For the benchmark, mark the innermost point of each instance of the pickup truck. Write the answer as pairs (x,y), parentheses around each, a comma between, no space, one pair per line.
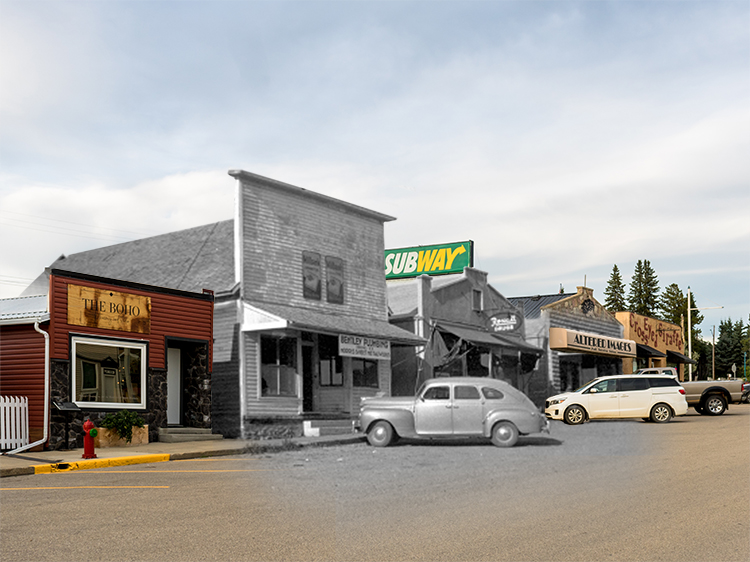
(711,398)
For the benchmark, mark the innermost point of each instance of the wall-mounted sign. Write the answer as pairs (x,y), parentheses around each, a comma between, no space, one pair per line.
(506,322)
(429,260)
(108,310)
(365,348)
(561,339)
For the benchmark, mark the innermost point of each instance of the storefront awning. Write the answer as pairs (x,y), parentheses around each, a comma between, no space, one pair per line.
(676,357)
(267,316)
(646,351)
(487,339)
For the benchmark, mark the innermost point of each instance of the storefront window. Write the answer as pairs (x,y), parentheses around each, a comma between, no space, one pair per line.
(331,364)
(365,373)
(278,357)
(108,374)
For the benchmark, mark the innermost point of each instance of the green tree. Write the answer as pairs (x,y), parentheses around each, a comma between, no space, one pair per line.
(643,297)
(673,305)
(615,292)
(729,347)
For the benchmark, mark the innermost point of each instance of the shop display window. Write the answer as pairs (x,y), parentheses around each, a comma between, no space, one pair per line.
(365,373)
(331,364)
(278,358)
(108,373)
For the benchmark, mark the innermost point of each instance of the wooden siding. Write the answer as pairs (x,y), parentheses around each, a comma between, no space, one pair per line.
(171,316)
(22,368)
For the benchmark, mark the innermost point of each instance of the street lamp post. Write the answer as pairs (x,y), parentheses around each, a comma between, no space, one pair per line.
(690,336)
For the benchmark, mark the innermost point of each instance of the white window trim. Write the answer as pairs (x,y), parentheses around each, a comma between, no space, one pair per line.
(133,344)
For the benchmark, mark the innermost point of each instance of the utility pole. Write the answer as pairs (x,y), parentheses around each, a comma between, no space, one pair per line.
(690,335)
(713,353)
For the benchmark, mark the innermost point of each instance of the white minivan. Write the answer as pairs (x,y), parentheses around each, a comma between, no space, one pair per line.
(656,398)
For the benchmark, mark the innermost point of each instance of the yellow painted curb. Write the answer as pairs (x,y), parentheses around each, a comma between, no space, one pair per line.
(98,463)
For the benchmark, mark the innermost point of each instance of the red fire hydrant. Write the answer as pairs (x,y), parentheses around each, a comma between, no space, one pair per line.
(89,432)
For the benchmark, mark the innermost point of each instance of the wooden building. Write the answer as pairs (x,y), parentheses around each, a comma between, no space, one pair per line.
(99,345)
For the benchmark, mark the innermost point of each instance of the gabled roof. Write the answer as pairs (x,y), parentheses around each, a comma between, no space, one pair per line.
(188,260)
(24,310)
(532,306)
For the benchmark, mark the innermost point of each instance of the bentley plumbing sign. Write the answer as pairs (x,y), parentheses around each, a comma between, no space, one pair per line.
(440,259)
(366,348)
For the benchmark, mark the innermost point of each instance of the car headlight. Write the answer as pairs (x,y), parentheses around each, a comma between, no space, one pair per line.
(557,401)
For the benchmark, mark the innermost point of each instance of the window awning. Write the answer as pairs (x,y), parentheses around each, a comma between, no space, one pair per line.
(269,316)
(676,357)
(646,351)
(487,339)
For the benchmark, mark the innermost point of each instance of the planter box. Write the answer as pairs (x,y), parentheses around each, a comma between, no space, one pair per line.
(109,438)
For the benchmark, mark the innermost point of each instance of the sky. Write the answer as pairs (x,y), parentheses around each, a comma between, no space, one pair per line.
(562,137)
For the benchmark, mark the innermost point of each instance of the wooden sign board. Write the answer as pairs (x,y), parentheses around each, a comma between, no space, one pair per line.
(108,310)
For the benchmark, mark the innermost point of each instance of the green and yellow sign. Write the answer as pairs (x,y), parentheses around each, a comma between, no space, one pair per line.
(440,259)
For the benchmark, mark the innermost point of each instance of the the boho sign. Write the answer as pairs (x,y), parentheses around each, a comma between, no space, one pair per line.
(108,310)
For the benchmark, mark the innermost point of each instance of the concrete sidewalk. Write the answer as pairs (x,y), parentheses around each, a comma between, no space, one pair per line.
(62,461)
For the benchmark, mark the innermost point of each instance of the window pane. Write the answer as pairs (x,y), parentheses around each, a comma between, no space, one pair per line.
(492,393)
(437,393)
(466,393)
(311,275)
(108,374)
(365,373)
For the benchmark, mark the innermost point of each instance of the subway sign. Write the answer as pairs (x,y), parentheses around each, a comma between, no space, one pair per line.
(440,259)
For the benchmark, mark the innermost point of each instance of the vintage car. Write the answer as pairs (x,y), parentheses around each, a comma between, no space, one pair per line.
(453,407)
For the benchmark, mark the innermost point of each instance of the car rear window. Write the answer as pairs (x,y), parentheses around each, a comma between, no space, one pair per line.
(492,393)
(633,384)
(662,381)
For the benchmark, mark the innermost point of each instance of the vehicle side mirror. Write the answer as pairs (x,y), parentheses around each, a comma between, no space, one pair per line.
(593,391)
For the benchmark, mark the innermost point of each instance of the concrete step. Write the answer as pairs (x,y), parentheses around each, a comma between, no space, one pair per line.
(317,428)
(186,434)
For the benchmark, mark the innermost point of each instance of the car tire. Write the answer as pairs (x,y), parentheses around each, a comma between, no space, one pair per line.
(574,415)
(504,434)
(661,413)
(714,405)
(699,409)
(381,434)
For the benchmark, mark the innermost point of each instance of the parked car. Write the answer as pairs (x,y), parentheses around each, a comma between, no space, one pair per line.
(453,407)
(656,398)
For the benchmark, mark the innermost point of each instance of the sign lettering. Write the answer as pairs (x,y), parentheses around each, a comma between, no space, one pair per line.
(108,310)
(363,347)
(429,260)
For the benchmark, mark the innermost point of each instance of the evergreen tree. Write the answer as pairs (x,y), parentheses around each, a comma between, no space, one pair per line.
(615,292)
(643,297)
(673,305)
(729,347)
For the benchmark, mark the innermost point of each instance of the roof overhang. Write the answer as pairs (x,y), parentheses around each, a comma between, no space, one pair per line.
(261,317)
(487,339)
(676,357)
(24,310)
(646,351)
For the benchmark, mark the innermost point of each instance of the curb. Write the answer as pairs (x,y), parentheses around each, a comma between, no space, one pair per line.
(253,448)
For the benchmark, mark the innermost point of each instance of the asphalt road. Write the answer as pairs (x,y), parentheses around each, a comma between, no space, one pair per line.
(616,490)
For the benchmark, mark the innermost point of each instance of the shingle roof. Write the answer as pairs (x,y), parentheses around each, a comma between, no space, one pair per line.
(532,306)
(189,260)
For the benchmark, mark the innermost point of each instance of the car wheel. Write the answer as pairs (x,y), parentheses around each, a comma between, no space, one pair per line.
(715,405)
(574,415)
(504,434)
(661,413)
(381,434)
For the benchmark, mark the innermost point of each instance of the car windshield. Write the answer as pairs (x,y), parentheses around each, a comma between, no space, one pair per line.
(585,386)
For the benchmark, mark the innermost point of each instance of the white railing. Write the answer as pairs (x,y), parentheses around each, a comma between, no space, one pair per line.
(14,422)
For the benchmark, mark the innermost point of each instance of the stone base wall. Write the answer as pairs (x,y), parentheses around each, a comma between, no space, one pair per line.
(272,428)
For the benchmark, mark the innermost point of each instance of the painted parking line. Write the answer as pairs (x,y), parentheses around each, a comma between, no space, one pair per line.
(83,487)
